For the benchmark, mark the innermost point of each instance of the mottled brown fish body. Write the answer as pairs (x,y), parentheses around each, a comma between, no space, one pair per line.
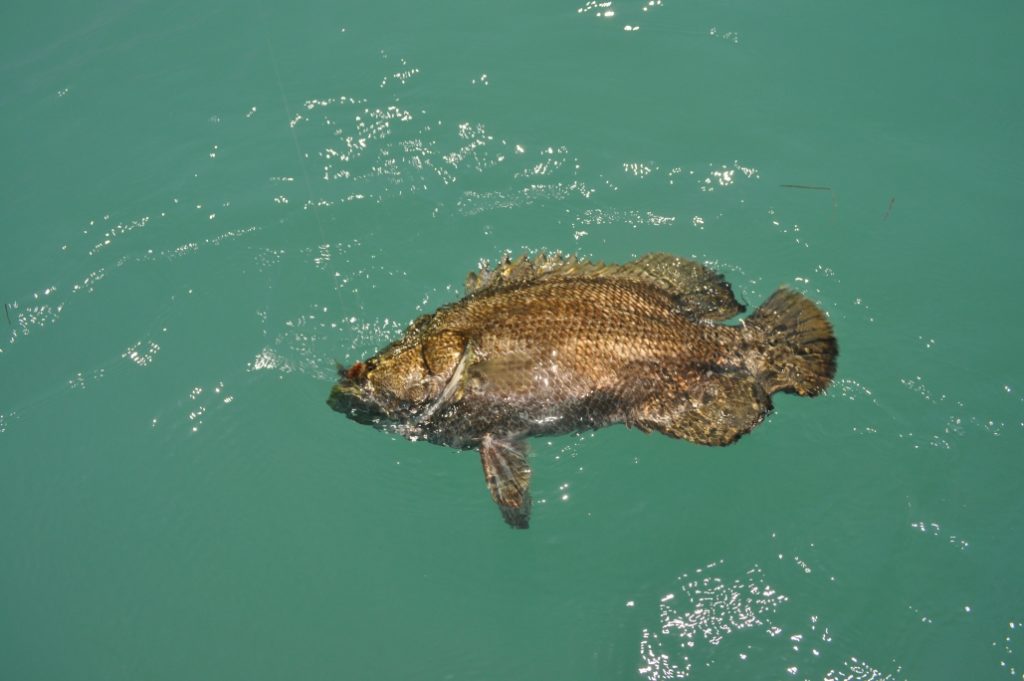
(555,345)
(564,356)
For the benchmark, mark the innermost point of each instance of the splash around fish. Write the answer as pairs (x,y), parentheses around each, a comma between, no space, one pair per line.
(553,344)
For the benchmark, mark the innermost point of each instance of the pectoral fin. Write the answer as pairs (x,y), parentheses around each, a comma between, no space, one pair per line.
(506,374)
(507,474)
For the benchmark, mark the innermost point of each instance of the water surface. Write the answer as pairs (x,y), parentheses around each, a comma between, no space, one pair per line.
(206,205)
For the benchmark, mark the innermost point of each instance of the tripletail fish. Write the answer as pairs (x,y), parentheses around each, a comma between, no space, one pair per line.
(553,344)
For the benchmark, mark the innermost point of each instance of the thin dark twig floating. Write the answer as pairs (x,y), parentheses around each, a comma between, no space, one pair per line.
(7,313)
(806,186)
(888,209)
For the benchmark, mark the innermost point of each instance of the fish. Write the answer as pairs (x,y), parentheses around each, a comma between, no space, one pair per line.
(554,344)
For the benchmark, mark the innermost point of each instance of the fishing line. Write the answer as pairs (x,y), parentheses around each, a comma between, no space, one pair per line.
(295,141)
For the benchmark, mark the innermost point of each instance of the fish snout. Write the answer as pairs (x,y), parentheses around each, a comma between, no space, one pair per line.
(353,400)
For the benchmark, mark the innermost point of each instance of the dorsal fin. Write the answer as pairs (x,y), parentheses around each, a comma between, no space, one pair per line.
(508,271)
(701,293)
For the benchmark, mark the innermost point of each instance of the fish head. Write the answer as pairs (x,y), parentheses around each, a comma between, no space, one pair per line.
(385,389)
(354,396)
(398,385)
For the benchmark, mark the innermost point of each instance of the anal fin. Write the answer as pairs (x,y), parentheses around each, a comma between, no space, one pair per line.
(715,409)
(507,474)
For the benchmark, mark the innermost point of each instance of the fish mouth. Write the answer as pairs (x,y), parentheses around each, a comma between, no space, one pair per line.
(349,399)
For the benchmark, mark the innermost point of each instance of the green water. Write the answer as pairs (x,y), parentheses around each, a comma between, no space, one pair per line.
(205,204)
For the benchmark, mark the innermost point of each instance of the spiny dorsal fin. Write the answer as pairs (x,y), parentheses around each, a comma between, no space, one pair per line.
(701,293)
(509,271)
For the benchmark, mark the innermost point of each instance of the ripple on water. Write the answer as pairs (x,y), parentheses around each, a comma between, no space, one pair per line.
(735,618)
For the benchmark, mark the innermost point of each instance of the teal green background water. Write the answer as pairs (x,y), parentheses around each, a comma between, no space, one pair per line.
(206,204)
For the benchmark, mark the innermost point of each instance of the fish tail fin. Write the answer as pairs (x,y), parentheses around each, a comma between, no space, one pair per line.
(796,348)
